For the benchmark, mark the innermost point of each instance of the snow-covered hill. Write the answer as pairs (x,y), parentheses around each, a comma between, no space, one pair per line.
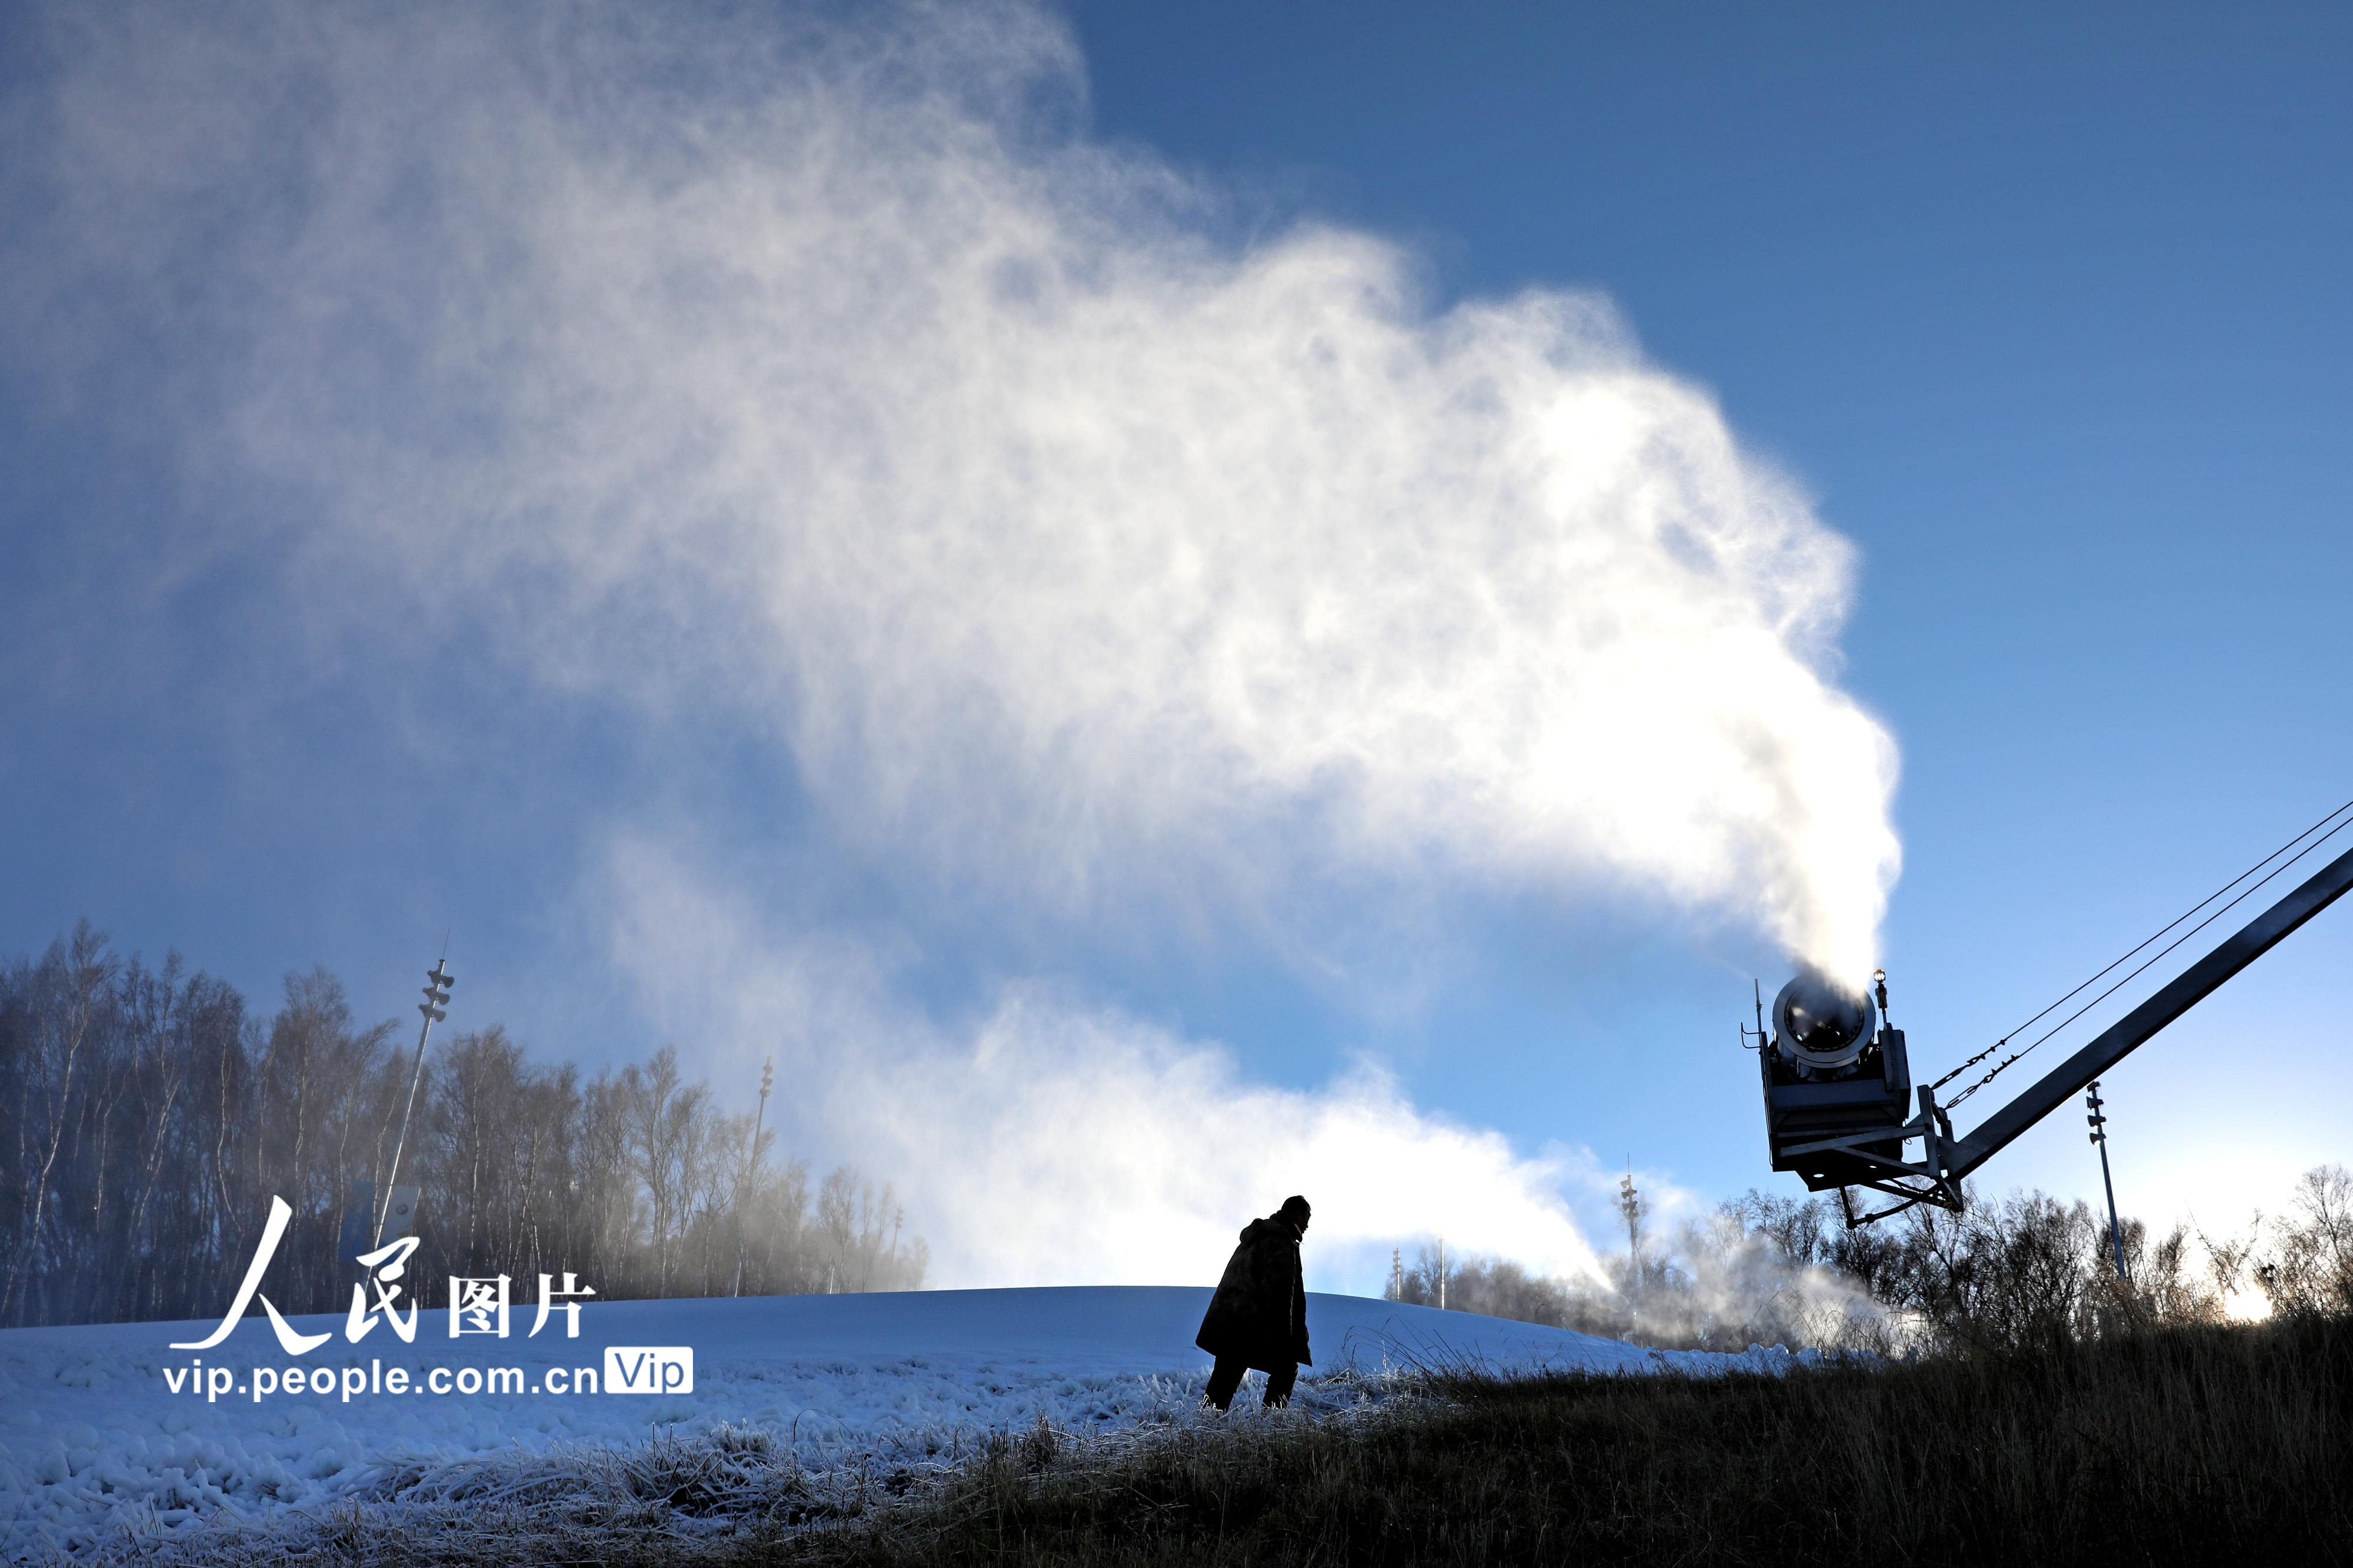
(93,1438)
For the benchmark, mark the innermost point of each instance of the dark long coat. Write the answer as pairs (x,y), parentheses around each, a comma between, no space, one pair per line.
(1260,1312)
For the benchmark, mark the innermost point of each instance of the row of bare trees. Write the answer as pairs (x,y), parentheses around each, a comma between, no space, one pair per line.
(2027,1269)
(2006,1273)
(148,1116)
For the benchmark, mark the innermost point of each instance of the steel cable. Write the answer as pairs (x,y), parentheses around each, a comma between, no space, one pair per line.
(2153,958)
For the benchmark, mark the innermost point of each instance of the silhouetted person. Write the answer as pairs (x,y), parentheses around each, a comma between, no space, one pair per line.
(1259,1316)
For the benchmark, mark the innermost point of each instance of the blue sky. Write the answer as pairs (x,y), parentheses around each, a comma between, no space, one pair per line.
(2046,315)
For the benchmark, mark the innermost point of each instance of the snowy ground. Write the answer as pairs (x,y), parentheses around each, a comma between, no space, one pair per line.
(93,1442)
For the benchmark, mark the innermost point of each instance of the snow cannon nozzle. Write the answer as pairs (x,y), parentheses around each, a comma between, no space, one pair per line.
(1821,1027)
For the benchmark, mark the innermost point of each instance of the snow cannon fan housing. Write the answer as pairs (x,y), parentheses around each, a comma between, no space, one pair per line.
(1834,1073)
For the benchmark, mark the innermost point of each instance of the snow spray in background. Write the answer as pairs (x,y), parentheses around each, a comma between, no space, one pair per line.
(826,380)
(1049,1141)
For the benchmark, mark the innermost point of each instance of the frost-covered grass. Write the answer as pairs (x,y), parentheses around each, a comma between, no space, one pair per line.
(730,1495)
(804,1408)
(2222,1446)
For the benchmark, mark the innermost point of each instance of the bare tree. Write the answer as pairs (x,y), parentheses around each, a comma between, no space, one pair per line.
(47,1097)
(146,1119)
(2310,1268)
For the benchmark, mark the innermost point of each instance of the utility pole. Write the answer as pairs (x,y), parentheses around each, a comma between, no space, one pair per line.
(438,981)
(2100,1137)
(751,1159)
(1441,1271)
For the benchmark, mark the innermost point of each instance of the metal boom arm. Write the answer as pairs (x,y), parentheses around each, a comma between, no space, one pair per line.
(2192,986)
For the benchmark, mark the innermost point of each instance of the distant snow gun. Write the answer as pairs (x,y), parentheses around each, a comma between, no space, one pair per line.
(1840,1106)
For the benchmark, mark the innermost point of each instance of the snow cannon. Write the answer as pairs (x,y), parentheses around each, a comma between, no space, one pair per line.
(1838,1086)
(1837,1080)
